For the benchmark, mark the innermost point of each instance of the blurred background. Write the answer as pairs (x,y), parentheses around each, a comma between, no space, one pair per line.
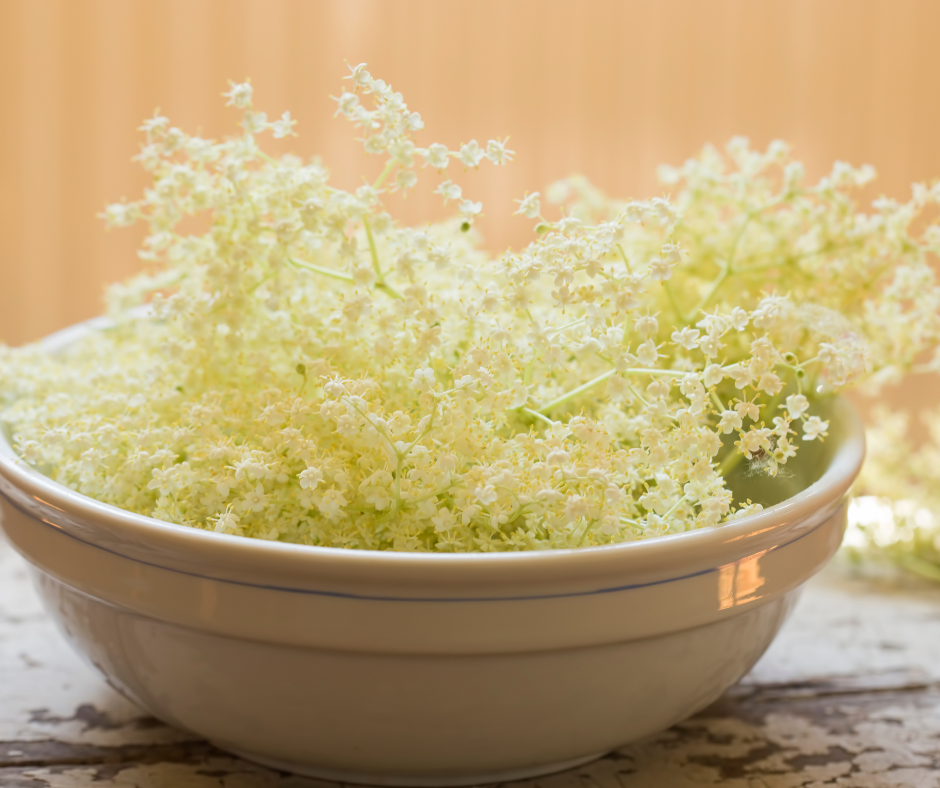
(605,88)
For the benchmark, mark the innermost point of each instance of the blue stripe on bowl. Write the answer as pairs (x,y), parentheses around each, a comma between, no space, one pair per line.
(370,598)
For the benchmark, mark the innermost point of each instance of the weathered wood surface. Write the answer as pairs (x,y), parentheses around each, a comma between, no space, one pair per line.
(848,696)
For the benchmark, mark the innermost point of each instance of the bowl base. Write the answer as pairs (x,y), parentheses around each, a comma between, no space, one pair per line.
(417,781)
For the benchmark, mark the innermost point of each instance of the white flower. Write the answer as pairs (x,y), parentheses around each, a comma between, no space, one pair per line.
(497,152)
(360,76)
(156,126)
(647,353)
(239,95)
(785,450)
(470,154)
(518,395)
(30,451)
(754,440)
(331,504)
(405,179)
(378,497)
(424,379)
(227,522)
(310,478)
(334,387)
(529,206)
(347,104)
(576,507)
(739,319)
(646,325)
(660,270)
(610,525)
(255,122)
(486,494)
(671,253)
(797,405)
(121,214)
(658,389)
(469,209)
(814,427)
(749,410)
(741,375)
(437,156)
(744,511)
(730,421)
(320,372)
(283,126)
(782,426)
(709,345)
(450,190)
(687,337)
(713,375)
(444,520)
(255,500)
(770,383)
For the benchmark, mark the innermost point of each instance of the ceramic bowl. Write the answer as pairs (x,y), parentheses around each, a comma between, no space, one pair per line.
(422,669)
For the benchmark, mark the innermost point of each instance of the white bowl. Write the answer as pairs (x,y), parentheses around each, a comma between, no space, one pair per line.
(422,669)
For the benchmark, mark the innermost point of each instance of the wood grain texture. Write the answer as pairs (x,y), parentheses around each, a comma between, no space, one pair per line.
(847,696)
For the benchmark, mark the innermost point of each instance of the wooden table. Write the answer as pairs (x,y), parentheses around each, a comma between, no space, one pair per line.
(848,696)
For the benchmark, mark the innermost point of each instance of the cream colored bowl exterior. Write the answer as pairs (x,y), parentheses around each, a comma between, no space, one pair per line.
(413,669)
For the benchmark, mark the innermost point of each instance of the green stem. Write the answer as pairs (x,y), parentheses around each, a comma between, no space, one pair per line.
(527,375)
(675,304)
(706,299)
(733,251)
(572,324)
(675,373)
(321,270)
(547,408)
(638,395)
(588,525)
(623,256)
(398,463)
(266,278)
(385,173)
(537,415)
(374,252)
(601,378)
(675,506)
(434,494)
(727,269)
(377,427)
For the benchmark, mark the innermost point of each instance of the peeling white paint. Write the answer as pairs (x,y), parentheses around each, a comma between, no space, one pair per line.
(213,773)
(846,625)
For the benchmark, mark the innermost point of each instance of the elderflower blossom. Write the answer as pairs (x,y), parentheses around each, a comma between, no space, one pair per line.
(312,371)
(896,512)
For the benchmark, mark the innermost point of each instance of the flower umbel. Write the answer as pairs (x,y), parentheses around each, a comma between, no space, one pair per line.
(312,371)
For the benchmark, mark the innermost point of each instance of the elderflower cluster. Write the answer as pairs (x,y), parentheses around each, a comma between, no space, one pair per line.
(896,513)
(312,371)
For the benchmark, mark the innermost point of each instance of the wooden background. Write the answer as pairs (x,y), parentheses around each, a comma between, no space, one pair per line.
(607,88)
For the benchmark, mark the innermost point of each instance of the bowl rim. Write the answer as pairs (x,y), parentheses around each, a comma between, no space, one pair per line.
(764,528)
